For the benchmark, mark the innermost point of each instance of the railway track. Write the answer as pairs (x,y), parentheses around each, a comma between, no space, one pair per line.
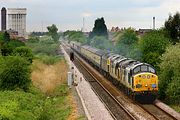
(113,100)
(157,112)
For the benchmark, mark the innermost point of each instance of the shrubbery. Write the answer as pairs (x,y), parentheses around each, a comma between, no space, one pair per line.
(19,105)
(44,46)
(24,52)
(14,73)
(8,47)
(169,87)
(49,60)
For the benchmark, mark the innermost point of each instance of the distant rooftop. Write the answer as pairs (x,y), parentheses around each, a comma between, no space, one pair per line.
(17,10)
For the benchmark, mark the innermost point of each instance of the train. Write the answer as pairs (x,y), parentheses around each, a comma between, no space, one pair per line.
(136,79)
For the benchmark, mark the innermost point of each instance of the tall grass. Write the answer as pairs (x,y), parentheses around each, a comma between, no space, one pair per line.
(48,77)
(49,60)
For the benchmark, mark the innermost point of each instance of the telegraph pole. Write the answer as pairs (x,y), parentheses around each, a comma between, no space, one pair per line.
(83,30)
(42,26)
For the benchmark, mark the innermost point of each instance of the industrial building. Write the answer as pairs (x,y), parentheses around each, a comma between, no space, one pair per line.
(17,20)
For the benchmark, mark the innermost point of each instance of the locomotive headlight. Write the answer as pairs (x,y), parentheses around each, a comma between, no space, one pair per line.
(153,85)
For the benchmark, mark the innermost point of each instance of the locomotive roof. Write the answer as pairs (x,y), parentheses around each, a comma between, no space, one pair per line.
(107,55)
(127,62)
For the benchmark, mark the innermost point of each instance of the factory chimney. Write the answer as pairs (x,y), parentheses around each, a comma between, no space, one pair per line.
(3,19)
(154,23)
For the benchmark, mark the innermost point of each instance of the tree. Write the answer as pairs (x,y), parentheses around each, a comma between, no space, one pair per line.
(169,85)
(172,25)
(127,44)
(99,29)
(152,46)
(77,36)
(53,32)
(102,43)
(14,73)
(24,52)
(8,47)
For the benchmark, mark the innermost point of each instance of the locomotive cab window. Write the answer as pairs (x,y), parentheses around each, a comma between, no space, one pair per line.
(144,68)
(136,70)
(151,70)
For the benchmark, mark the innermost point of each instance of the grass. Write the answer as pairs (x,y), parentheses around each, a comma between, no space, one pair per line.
(51,80)
(48,98)
(48,77)
(176,107)
(49,60)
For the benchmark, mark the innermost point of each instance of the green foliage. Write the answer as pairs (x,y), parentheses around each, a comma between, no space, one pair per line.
(127,44)
(99,29)
(33,39)
(1,36)
(8,109)
(6,37)
(53,32)
(77,36)
(19,105)
(128,37)
(172,25)
(49,60)
(45,46)
(8,47)
(102,43)
(169,87)
(14,73)
(56,107)
(153,45)
(16,43)
(24,52)
(34,105)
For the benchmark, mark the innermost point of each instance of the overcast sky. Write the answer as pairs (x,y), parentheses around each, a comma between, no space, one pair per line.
(68,14)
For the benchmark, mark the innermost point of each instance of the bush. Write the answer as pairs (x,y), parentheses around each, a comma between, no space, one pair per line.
(169,87)
(45,46)
(19,105)
(24,52)
(49,60)
(7,48)
(14,73)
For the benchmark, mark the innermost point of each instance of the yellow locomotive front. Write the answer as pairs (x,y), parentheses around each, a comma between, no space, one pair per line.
(145,82)
(145,85)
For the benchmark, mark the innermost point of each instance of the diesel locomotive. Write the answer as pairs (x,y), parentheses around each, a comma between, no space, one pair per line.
(136,79)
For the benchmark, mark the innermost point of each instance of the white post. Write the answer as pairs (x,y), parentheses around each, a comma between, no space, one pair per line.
(69,79)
